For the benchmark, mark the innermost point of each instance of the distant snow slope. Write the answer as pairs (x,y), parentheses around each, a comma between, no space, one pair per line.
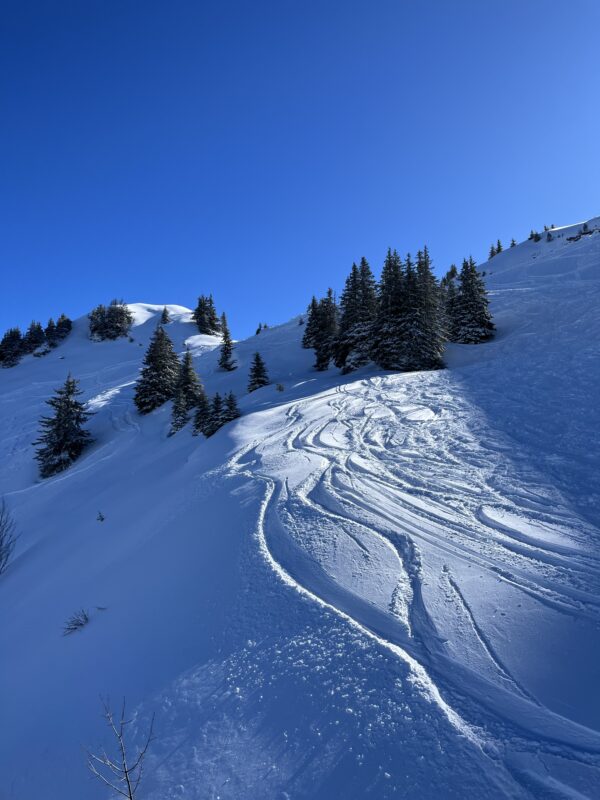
(376,585)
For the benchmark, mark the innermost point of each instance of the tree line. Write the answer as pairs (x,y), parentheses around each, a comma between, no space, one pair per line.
(401,322)
(36,340)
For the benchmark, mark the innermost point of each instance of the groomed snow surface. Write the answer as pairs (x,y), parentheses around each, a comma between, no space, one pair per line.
(373,585)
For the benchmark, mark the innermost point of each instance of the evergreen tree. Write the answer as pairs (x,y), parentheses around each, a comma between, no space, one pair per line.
(63,327)
(231,410)
(432,335)
(472,319)
(258,376)
(513,243)
(226,361)
(498,247)
(51,333)
(492,253)
(34,338)
(11,347)
(358,310)
(164,317)
(308,338)
(118,319)
(386,330)
(63,436)
(202,413)
(205,316)
(325,334)
(259,329)
(215,419)
(187,393)
(159,374)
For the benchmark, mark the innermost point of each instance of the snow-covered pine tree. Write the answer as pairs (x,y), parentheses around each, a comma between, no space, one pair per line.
(34,338)
(63,326)
(51,333)
(258,376)
(164,317)
(118,319)
(349,315)
(11,347)
(472,318)
(231,410)
(326,331)
(215,419)
(386,330)
(205,316)
(358,309)
(226,361)
(159,374)
(432,341)
(187,393)
(202,413)
(63,437)
(308,338)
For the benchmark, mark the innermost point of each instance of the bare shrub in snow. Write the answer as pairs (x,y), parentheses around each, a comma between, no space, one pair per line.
(122,773)
(76,622)
(8,537)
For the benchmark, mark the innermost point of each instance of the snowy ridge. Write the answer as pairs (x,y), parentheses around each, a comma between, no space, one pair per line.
(380,585)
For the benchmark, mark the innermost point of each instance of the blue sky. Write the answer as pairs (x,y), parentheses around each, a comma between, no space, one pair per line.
(160,150)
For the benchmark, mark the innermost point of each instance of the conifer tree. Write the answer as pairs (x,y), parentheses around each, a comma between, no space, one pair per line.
(63,437)
(164,317)
(258,376)
(386,330)
(63,326)
(431,348)
(472,319)
(325,335)
(51,333)
(11,347)
(215,419)
(34,338)
(358,310)
(308,338)
(498,247)
(205,316)
(226,361)
(159,374)
(202,413)
(231,410)
(213,318)
(492,252)
(513,243)
(187,393)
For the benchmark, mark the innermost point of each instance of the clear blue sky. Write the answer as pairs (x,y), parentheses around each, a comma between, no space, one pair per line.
(158,150)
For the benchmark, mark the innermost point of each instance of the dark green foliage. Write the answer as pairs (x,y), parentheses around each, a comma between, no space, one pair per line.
(63,437)
(63,327)
(308,338)
(358,310)
(215,418)
(159,374)
(202,414)
(205,316)
(164,317)
(187,393)
(34,338)
(492,252)
(513,243)
(110,322)
(51,333)
(259,329)
(11,347)
(390,300)
(498,247)
(258,376)
(231,410)
(325,334)
(472,319)
(226,361)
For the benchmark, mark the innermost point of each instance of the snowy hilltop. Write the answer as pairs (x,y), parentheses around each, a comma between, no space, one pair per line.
(369,582)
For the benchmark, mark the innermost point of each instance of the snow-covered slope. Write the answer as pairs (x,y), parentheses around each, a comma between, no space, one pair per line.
(373,585)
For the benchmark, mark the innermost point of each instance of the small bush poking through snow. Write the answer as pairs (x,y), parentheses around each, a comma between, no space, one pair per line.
(76,622)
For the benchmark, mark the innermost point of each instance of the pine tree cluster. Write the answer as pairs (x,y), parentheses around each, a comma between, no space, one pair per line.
(205,316)
(399,323)
(466,312)
(63,437)
(37,340)
(110,322)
